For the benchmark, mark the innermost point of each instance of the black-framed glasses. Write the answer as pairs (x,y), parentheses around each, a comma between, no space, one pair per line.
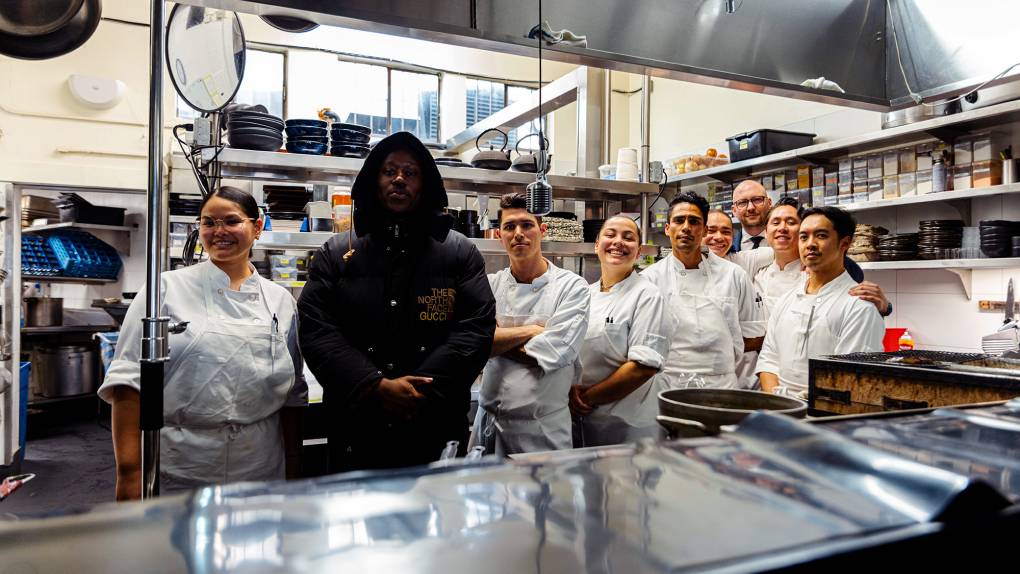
(742,203)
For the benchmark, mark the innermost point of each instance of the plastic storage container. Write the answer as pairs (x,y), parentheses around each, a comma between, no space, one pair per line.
(890,187)
(961,177)
(908,160)
(874,166)
(985,173)
(963,152)
(876,190)
(890,163)
(765,142)
(908,184)
(923,182)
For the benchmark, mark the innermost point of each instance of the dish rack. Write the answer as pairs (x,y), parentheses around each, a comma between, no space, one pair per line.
(81,254)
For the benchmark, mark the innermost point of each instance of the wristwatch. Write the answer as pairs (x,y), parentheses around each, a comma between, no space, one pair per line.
(888,310)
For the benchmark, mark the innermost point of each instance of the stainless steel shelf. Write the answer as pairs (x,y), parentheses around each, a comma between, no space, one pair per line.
(76,225)
(289,240)
(267,165)
(943,126)
(310,241)
(997,263)
(60,329)
(958,194)
(61,279)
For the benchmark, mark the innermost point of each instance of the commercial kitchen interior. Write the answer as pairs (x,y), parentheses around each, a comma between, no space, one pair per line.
(672,79)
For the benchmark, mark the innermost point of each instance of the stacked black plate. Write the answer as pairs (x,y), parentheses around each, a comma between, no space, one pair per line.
(253,129)
(451,162)
(897,247)
(184,205)
(937,235)
(349,140)
(997,237)
(307,137)
(590,229)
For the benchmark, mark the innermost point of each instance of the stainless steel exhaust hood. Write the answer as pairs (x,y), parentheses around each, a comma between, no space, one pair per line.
(764,46)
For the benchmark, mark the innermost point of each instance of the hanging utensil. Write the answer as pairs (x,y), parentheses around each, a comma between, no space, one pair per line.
(528,162)
(39,30)
(492,158)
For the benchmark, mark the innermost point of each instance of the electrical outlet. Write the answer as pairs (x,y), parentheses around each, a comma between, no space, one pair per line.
(203,132)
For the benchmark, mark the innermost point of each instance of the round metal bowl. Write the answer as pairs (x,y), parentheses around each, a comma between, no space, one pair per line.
(714,408)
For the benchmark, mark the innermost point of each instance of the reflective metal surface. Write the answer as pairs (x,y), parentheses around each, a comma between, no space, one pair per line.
(767,47)
(777,487)
(947,47)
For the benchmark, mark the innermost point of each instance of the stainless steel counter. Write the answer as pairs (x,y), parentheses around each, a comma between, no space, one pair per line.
(776,493)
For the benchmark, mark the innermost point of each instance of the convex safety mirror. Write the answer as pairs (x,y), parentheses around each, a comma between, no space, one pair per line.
(205,54)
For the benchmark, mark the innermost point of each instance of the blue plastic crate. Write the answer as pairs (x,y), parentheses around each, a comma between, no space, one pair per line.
(37,258)
(81,254)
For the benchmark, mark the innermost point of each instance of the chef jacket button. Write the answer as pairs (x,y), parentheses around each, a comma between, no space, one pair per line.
(683,274)
(254,297)
(389,366)
(220,291)
(371,349)
(387,248)
(393,302)
(423,349)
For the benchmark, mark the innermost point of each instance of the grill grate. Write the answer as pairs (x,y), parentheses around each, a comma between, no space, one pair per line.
(942,356)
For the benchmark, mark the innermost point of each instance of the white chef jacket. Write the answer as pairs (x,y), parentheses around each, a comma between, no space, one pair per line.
(772,282)
(720,291)
(751,261)
(627,323)
(802,326)
(228,375)
(524,408)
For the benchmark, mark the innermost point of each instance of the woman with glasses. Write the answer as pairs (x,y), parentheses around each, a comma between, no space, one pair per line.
(234,384)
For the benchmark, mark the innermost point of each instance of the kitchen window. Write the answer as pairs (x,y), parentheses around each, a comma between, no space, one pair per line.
(391,100)
(263,83)
(485,98)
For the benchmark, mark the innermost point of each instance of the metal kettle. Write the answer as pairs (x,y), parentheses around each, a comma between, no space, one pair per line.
(492,158)
(528,162)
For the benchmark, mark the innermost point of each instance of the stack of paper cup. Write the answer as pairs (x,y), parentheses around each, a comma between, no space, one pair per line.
(627,164)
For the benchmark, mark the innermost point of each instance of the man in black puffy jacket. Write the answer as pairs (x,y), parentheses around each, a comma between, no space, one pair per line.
(397,320)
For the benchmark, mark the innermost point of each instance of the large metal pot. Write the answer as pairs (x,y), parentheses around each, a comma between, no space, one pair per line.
(688,412)
(65,370)
(44,311)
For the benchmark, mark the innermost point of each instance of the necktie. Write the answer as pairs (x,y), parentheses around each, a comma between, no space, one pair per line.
(757,239)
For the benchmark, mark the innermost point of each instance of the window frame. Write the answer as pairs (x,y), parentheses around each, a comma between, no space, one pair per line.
(390,68)
(507,84)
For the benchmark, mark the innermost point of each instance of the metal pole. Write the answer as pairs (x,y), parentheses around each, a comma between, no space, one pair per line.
(154,327)
(646,130)
(607,118)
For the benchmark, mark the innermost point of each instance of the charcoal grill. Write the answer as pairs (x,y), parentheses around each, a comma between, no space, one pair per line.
(874,382)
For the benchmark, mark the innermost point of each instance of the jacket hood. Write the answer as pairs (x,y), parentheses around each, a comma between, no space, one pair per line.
(369,213)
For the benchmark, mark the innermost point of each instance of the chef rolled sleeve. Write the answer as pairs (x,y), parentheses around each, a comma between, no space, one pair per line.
(650,331)
(560,343)
(125,370)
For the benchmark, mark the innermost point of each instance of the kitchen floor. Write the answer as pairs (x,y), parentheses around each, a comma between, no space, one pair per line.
(71,454)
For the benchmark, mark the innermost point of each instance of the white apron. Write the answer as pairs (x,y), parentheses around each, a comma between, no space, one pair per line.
(222,400)
(607,347)
(707,330)
(521,408)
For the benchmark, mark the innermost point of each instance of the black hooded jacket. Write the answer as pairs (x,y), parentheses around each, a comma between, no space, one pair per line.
(413,299)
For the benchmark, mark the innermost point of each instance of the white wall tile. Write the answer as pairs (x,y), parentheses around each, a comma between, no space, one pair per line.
(946,321)
(913,281)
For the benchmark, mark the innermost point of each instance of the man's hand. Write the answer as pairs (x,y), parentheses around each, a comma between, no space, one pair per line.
(872,293)
(578,406)
(400,396)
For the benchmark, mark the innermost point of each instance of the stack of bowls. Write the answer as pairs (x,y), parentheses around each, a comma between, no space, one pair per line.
(252,129)
(938,236)
(349,140)
(897,247)
(307,137)
(997,237)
